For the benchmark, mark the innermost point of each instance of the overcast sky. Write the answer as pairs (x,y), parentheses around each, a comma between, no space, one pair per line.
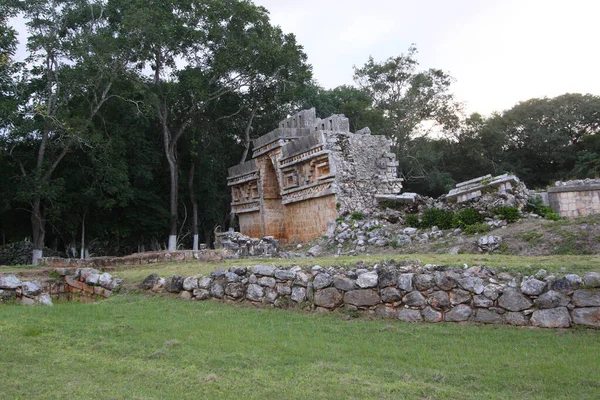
(499,51)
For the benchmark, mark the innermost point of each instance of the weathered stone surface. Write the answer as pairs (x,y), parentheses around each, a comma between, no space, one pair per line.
(487,317)
(7,294)
(26,301)
(592,279)
(431,315)
(301,279)
(31,289)
(492,291)
(587,316)
(44,299)
(482,301)
(255,292)
(513,300)
(408,315)
(219,273)
(241,271)
(161,283)
(440,300)
(185,295)
(424,281)
(459,296)
(552,299)
(267,281)
(204,282)
(471,284)
(217,290)
(382,311)
(532,287)
(551,318)
(83,273)
(92,279)
(315,251)
(150,281)
(566,285)
(190,283)
(343,283)
(515,318)
(298,294)
(283,289)
(446,280)
(271,295)
(322,280)
(231,277)
(489,243)
(235,290)
(265,270)
(388,277)
(176,284)
(405,282)
(201,294)
(328,298)
(367,280)
(105,280)
(414,299)
(285,275)
(459,313)
(586,298)
(390,295)
(362,297)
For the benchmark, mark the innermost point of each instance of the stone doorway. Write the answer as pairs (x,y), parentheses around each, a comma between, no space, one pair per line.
(273,212)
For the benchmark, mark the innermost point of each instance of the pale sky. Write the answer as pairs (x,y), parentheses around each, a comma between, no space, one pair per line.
(499,51)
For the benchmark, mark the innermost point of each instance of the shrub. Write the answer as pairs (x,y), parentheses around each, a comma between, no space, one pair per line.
(510,214)
(436,217)
(536,205)
(481,227)
(357,215)
(466,217)
(411,220)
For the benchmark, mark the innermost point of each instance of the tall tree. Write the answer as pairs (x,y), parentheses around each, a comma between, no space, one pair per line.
(74,61)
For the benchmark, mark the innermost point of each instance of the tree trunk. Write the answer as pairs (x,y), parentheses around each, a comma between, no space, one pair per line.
(38,225)
(82,255)
(173,206)
(194,206)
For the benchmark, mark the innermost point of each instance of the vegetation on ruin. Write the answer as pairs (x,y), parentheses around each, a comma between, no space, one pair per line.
(140,346)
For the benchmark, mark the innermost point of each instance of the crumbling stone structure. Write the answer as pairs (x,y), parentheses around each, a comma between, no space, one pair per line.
(575,198)
(307,172)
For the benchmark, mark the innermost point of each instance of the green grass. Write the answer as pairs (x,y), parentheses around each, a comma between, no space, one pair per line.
(527,265)
(139,347)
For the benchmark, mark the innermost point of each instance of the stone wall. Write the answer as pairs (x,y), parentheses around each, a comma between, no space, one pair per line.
(407,292)
(82,282)
(305,219)
(575,198)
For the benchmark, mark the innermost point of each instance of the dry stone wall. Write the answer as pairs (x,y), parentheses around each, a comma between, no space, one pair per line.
(575,198)
(410,293)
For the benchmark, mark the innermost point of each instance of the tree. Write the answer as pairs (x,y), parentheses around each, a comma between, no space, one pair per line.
(221,46)
(408,97)
(74,61)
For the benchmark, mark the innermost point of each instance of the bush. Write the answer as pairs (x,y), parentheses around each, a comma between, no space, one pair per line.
(510,214)
(481,227)
(357,215)
(436,217)
(536,205)
(411,220)
(466,217)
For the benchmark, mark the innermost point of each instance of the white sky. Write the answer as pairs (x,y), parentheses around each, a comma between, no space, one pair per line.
(500,51)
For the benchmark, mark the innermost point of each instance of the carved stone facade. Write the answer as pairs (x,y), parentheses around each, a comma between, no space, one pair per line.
(308,171)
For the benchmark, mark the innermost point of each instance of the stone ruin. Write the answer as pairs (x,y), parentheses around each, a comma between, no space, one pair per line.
(307,172)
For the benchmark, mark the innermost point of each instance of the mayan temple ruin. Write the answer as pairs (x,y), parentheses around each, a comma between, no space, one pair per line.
(307,172)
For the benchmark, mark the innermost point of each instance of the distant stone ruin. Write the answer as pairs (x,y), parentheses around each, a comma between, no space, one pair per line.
(575,198)
(477,187)
(307,172)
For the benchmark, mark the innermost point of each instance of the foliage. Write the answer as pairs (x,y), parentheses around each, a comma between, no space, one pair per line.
(436,217)
(412,220)
(536,205)
(480,227)
(357,215)
(508,213)
(465,217)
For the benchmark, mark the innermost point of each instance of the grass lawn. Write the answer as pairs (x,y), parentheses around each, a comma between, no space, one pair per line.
(143,347)
(527,265)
